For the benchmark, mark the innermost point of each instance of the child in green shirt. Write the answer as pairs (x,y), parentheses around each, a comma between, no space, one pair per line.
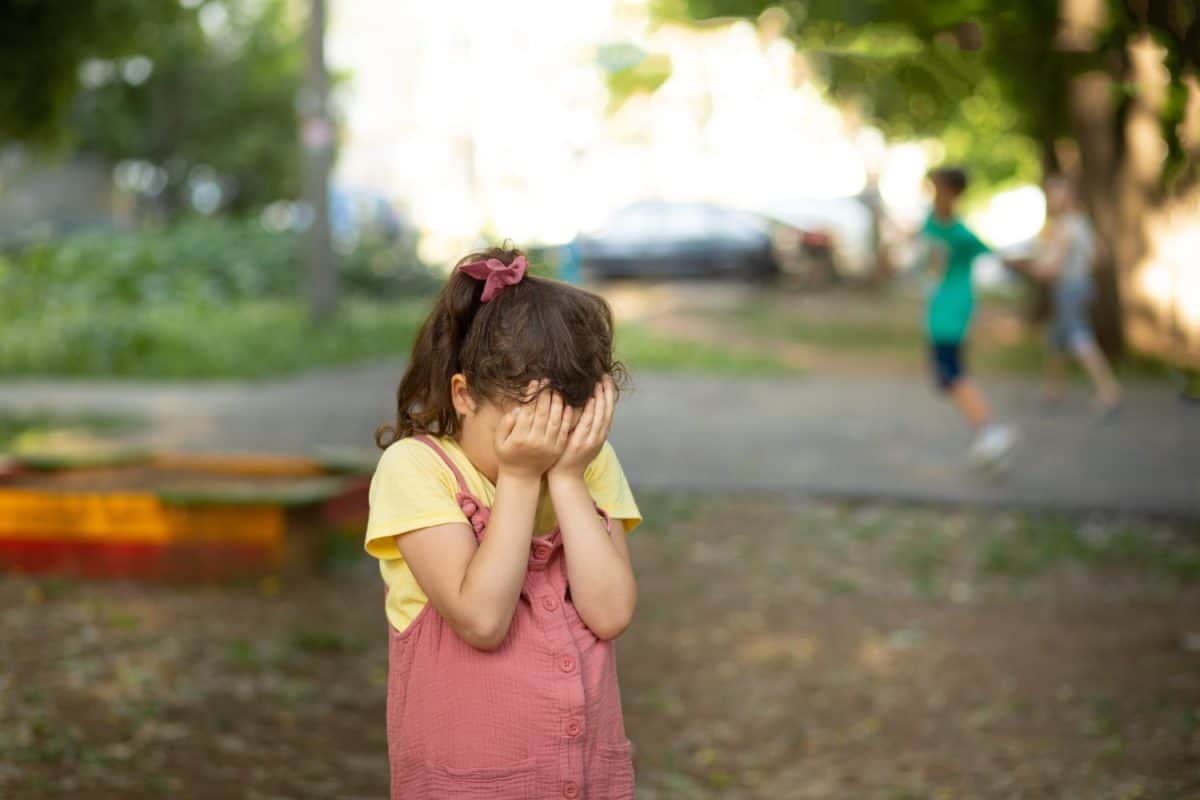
(948,316)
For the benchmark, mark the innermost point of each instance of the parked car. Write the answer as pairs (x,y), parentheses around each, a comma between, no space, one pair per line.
(833,232)
(663,239)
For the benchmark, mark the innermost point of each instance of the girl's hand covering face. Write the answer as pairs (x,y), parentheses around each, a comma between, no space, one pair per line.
(532,435)
(590,433)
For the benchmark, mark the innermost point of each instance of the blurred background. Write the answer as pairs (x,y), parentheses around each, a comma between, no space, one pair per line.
(222,221)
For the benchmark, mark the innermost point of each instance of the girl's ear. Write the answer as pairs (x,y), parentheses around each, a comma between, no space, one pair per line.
(460,395)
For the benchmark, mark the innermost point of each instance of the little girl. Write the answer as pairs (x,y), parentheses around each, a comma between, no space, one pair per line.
(498,515)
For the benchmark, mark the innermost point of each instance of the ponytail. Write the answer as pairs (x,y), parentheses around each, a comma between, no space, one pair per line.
(423,403)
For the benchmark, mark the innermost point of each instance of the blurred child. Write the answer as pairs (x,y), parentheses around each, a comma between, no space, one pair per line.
(1065,261)
(498,515)
(953,249)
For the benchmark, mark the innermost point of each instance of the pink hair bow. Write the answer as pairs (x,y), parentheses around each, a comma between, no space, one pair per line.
(496,275)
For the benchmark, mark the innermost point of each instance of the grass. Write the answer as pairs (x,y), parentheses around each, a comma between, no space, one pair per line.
(1042,542)
(252,339)
(837,333)
(1027,356)
(640,349)
(862,324)
(661,510)
(935,550)
(924,559)
(320,641)
(17,428)
(265,338)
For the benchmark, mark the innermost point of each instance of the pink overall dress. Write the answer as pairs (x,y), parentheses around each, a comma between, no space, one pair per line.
(537,718)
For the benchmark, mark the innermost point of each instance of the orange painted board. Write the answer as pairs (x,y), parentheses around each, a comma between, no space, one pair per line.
(134,517)
(241,465)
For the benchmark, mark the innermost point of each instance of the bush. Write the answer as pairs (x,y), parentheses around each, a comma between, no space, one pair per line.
(200,261)
(205,298)
(250,339)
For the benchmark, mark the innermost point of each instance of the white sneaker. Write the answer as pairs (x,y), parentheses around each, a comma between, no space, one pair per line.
(992,446)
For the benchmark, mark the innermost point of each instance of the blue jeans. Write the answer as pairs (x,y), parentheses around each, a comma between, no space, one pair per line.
(1070,326)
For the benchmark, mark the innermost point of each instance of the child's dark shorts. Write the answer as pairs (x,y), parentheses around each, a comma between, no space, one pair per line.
(948,366)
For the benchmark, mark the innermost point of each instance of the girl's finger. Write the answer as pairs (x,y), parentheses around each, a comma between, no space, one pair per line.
(526,409)
(610,393)
(584,428)
(554,418)
(599,417)
(564,430)
(578,432)
(541,411)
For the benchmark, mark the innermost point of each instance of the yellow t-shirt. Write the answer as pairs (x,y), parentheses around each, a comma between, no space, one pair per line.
(413,488)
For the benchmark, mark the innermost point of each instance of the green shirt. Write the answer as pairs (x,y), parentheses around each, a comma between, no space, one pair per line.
(953,299)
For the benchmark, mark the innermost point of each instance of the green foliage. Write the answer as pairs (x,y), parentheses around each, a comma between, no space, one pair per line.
(204,298)
(631,71)
(249,339)
(198,262)
(43,44)
(985,76)
(134,80)
(218,101)
(210,299)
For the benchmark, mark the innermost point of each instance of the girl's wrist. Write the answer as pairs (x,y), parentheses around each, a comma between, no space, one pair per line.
(517,478)
(564,475)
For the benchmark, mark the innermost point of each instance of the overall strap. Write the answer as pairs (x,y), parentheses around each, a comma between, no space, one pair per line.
(429,442)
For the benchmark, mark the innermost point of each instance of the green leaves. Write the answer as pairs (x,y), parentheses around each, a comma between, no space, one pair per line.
(219,100)
(42,47)
(967,72)
(630,71)
(204,298)
(156,82)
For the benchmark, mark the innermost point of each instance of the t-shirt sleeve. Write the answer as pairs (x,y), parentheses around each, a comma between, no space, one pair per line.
(971,244)
(411,489)
(607,484)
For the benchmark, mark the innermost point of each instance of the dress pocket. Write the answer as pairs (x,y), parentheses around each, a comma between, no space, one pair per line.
(515,782)
(614,773)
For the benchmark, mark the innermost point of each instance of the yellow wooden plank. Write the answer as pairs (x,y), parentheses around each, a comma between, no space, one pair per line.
(133,517)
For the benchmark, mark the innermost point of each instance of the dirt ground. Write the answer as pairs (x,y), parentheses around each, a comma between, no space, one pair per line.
(782,649)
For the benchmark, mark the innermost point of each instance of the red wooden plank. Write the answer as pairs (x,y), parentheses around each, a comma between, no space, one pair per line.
(192,560)
(350,507)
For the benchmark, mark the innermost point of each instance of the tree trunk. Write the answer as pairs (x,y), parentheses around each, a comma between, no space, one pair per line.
(1159,285)
(1093,119)
(317,135)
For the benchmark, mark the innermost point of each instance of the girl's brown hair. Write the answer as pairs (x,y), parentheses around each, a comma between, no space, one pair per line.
(535,329)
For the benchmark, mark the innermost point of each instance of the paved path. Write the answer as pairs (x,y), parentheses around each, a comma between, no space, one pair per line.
(887,437)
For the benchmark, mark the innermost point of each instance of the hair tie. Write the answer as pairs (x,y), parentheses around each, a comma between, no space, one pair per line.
(496,275)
